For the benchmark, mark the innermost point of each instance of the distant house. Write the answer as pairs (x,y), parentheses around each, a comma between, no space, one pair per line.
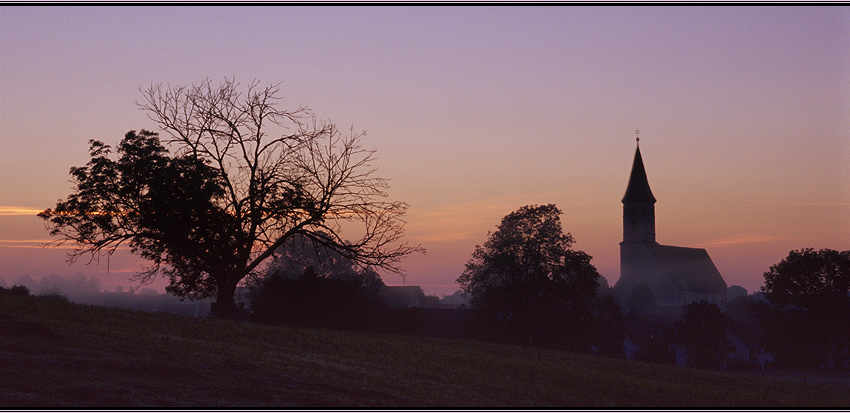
(410,296)
(676,276)
(403,296)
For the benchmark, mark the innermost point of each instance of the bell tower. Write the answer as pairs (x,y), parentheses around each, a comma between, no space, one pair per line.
(638,205)
(676,276)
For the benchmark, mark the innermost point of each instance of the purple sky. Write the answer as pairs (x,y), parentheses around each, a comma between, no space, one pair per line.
(475,112)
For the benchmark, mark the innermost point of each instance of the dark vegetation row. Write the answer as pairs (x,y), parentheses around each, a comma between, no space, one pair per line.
(59,354)
(526,286)
(330,293)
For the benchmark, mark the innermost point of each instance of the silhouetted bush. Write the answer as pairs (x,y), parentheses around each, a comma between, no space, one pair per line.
(312,301)
(787,335)
(16,290)
(810,322)
(702,330)
(56,297)
(607,331)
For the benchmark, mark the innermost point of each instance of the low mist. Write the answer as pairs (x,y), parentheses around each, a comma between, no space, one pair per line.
(84,289)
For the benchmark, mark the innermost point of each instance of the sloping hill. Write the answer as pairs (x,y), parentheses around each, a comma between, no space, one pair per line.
(56,354)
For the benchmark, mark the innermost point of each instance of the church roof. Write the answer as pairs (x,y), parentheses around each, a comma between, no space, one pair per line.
(397,296)
(638,189)
(688,268)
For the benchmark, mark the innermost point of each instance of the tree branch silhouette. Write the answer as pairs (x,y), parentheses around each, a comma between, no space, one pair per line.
(244,177)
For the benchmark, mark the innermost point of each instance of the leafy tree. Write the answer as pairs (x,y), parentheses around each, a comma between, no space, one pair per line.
(313,301)
(527,272)
(607,329)
(744,313)
(15,290)
(307,285)
(702,330)
(299,254)
(244,177)
(811,291)
(735,291)
(785,333)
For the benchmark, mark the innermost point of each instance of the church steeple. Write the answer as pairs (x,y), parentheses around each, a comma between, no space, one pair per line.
(638,189)
(638,205)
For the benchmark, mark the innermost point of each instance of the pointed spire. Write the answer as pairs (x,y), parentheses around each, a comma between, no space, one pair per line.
(638,189)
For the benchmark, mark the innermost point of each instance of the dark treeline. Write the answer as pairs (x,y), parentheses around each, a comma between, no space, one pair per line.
(799,320)
(527,287)
(314,288)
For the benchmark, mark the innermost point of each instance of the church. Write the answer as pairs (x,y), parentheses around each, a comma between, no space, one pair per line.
(676,276)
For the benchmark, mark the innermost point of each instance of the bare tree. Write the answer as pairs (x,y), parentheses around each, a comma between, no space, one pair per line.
(271,174)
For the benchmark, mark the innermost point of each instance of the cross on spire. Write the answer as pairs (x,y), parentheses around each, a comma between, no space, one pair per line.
(637,135)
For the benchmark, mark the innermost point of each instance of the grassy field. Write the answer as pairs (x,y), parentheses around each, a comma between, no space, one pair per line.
(58,354)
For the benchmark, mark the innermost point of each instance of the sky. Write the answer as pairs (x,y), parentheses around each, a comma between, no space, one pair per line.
(743,112)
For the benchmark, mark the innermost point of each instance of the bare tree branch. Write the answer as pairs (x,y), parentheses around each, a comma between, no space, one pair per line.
(268,174)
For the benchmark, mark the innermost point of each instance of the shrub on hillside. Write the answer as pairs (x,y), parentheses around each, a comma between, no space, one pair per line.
(703,330)
(607,330)
(56,297)
(16,290)
(313,301)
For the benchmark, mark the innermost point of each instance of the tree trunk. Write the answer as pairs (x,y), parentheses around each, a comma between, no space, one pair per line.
(224,306)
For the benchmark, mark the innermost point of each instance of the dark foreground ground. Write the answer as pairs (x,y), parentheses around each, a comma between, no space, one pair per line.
(57,354)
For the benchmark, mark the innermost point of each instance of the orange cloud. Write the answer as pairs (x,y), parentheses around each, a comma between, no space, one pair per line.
(746,239)
(470,220)
(847,204)
(461,221)
(28,243)
(18,210)
(40,243)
